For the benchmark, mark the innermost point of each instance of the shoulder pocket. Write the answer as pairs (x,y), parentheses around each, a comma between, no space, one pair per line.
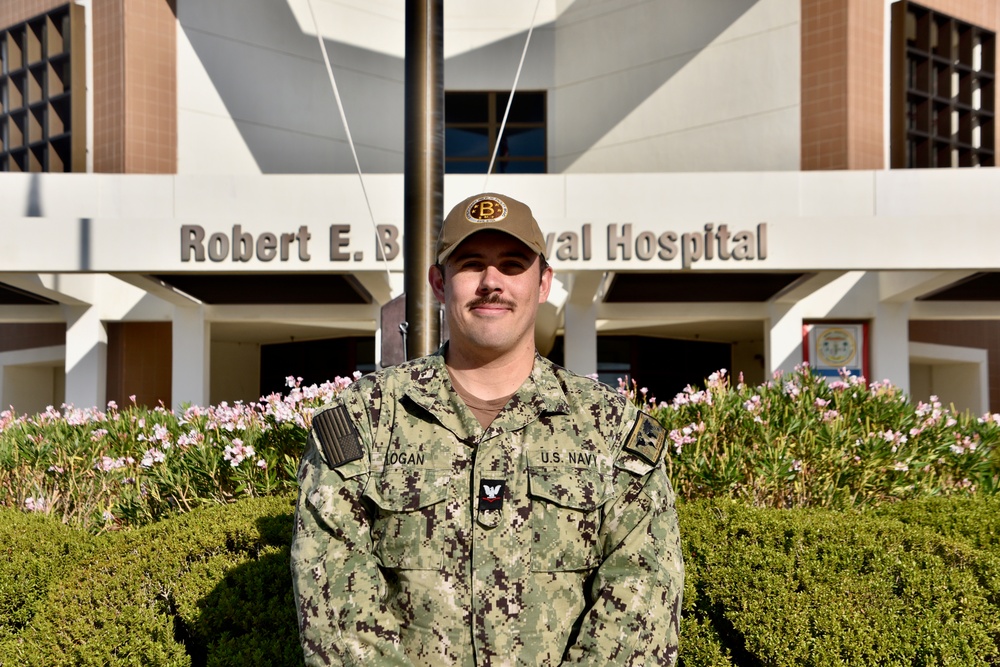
(566,507)
(408,532)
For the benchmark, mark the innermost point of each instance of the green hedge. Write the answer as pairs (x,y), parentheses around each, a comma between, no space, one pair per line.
(977,523)
(35,551)
(207,588)
(764,587)
(813,587)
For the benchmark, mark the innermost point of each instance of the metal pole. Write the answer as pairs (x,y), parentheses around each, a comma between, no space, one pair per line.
(423,174)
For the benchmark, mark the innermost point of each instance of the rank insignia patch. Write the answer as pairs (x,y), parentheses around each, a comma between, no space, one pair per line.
(491,494)
(337,436)
(646,439)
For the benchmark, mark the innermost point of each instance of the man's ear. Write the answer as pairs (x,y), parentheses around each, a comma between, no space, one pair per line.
(435,276)
(546,284)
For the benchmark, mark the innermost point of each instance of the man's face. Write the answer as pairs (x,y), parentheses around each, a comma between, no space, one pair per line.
(491,288)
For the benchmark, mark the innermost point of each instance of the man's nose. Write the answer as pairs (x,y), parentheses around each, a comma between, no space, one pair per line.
(490,280)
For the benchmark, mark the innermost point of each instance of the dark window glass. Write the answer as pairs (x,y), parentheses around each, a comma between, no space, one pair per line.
(524,142)
(472,125)
(466,108)
(468,167)
(467,142)
(527,108)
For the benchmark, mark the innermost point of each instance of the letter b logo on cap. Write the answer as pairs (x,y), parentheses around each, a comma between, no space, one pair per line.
(486,209)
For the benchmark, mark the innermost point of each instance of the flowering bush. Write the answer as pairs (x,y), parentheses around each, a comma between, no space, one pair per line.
(799,440)
(794,441)
(133,465)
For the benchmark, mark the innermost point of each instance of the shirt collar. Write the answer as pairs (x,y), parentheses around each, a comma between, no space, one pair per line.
(429,386)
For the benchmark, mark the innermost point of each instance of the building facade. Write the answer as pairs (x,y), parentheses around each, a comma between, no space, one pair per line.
(746,186)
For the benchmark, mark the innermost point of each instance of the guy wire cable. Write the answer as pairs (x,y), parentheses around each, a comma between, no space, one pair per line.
(510,98)
(350,139)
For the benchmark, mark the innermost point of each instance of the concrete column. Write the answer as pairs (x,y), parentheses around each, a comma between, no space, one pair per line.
(580,322)
(86,357)
(191,343)
(782,338)
(889,344)
(580,338)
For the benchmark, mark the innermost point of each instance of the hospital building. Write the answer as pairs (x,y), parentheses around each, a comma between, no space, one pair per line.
(739,184)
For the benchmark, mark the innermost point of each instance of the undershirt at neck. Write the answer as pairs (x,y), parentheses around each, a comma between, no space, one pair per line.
(484,410)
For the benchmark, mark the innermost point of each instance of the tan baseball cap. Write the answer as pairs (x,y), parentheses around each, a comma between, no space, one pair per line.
(489,211)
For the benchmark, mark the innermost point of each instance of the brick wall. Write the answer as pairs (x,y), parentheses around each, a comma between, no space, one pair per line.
(135,86)
(842,84)
(16,11)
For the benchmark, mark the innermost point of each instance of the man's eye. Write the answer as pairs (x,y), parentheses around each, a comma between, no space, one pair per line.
(513,267)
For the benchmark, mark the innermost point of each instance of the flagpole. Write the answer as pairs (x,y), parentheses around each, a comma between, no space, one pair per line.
(423,171)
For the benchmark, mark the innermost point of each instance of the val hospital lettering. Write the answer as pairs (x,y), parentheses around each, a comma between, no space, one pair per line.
(625,243)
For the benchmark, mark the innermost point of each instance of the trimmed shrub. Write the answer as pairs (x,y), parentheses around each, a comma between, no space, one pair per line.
(812,587)
(975,521)
(211,587)
(35,553)
(763,587)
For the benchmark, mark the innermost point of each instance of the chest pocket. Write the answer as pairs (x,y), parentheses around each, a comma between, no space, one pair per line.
(566,517)
(408,532)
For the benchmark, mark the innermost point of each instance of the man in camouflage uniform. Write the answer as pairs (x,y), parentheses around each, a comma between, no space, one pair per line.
(482,506)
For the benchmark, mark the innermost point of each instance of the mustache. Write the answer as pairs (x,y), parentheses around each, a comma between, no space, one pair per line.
(490,300)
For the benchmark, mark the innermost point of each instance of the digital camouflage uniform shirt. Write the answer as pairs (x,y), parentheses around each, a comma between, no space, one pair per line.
(548,538)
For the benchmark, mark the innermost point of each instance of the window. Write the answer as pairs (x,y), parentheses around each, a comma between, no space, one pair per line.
(944,94)
(41,93)
(472,123)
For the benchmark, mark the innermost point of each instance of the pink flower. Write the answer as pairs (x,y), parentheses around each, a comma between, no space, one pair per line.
(717,380)
(35,504)
(151,457)
(237,452)
(679,439)
(107,464)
